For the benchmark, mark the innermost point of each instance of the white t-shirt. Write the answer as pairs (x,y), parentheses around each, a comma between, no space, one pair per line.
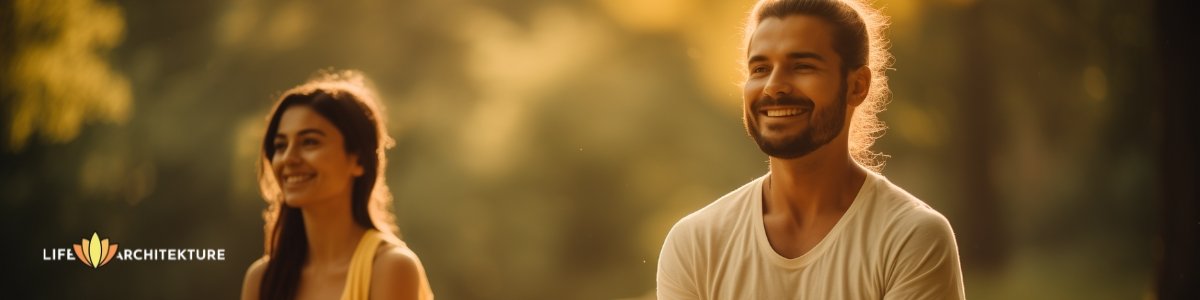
(887,245)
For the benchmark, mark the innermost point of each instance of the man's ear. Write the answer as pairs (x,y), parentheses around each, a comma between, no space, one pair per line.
(358,169)
(859,84)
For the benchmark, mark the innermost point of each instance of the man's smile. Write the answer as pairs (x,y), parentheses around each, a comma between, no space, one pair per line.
(783,111)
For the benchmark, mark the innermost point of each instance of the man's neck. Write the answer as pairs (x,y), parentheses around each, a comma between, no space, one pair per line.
(822,183)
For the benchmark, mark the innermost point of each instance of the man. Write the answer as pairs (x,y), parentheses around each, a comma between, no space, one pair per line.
(819,225)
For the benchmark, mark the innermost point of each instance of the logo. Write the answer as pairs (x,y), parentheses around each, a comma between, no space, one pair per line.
(96,252)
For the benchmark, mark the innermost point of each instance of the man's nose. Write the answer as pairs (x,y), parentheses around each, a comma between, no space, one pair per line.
(777,85)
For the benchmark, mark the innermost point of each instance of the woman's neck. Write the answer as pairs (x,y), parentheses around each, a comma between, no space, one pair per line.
(331,232)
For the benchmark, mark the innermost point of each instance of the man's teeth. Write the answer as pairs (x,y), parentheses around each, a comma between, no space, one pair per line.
(783,112)
(297,178)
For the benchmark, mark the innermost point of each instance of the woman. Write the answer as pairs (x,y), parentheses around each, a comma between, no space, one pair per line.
(329,229)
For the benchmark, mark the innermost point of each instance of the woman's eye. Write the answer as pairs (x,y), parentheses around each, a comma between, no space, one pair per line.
(280,147)
(309,142)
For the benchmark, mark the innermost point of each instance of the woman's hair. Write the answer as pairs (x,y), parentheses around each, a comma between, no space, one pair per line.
(346,100)
(859,40)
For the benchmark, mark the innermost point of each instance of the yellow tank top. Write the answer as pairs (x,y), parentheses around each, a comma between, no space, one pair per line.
(358,278)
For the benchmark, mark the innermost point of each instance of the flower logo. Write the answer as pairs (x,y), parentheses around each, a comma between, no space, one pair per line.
(96,252)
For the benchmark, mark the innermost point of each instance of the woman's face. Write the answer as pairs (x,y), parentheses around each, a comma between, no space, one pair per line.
(310,160)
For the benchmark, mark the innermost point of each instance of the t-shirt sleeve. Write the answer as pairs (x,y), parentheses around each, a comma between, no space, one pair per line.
(926,265)
(677,265)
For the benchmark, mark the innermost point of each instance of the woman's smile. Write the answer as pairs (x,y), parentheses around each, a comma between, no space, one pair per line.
(297,179)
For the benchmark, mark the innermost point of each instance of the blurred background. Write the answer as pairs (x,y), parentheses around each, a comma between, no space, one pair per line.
(544,148)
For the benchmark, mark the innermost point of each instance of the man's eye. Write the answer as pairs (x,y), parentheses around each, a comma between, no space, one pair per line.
(803,67)
(310,142)
(758,70)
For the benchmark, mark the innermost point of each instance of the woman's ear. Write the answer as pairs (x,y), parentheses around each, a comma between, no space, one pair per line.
(859,82)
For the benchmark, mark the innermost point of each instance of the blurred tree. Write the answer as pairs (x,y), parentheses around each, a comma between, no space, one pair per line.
(985,242)
(55,75)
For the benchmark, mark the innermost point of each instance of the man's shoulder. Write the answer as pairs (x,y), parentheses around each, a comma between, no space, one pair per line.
(719,215)
(918,247)
(907,212)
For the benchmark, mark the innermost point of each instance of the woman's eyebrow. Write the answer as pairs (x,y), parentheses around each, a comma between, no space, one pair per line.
(302,132)
(311,131)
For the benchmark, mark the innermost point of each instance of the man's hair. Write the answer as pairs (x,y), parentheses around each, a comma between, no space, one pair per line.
(858,39)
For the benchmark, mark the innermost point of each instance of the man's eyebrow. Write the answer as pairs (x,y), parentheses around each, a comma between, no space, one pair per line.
(803,55)
(756,58)
(792,55)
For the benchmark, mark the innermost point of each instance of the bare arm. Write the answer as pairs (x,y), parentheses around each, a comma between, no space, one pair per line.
(253,281)
(396,275)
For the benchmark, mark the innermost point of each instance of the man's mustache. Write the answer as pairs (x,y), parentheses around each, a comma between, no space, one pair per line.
(782,101)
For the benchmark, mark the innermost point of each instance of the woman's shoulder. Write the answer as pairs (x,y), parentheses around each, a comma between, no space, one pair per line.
(398,269)
(395,255)
(253,280)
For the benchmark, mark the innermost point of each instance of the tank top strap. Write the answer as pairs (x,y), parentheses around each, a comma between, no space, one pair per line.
(358,277)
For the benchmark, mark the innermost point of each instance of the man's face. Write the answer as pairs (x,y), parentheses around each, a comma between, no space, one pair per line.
(795,97)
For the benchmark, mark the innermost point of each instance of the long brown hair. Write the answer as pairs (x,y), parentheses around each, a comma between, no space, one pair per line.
(346,100)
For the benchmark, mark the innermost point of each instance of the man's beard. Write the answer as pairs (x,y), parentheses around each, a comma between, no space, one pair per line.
(824,125)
